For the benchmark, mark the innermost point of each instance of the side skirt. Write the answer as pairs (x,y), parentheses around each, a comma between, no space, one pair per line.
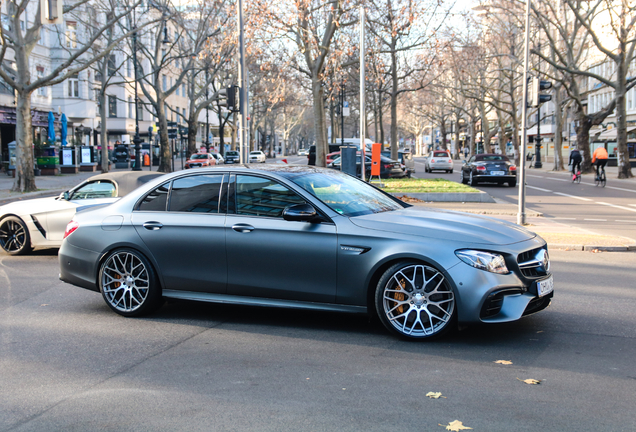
(260,301)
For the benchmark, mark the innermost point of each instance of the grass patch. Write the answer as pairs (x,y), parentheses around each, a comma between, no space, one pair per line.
(413,185)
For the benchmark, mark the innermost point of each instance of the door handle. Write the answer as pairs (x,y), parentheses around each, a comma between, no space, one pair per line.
(153,226)
(243,228)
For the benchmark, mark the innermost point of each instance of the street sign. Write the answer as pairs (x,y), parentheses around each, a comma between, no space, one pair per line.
(172,133)
(345,109)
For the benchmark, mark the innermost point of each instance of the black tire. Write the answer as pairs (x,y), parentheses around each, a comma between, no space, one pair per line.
(472,181)
(464,179)
(14,236)
(415,301)
(512,183)
(451,171)
(139,293)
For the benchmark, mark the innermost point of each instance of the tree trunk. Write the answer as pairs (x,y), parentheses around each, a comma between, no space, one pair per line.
(320,127)
(558,129)
(103,133)
(442,132)
(24,175)
(165,164)
(193,128)
(380,119)
(624,167)
(583,141)
(394,97)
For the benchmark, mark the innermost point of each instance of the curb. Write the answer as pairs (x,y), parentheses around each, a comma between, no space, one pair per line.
(591,248)
(477,197)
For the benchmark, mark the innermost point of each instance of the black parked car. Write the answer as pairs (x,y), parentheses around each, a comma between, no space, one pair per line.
(231,157)
(405,158)
(489,168)
(311,157)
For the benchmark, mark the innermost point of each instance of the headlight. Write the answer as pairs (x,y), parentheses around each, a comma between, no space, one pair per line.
(491,262)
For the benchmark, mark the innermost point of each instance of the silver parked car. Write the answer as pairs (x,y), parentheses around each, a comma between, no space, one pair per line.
(308,238)
(40,223)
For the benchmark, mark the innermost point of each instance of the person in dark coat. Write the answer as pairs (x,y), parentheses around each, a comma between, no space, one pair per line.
(575,161)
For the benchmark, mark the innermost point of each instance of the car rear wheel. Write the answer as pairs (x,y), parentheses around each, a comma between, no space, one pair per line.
(512,183)
(14,236)
(415,301)
(129,284)
(464,179)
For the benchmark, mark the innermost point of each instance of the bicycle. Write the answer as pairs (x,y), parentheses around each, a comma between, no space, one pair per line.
(600,179)
(576,178)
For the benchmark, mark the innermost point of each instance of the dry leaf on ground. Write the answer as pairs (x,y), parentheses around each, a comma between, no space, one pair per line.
(435,395)
(504,362)
(455,426)
(530,381)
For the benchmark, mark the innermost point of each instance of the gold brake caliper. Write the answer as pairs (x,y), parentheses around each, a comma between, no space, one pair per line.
(117,284)
(400,296)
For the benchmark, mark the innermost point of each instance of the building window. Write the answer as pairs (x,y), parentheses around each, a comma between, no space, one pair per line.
(73,86)
(112,106)
(183,89)
(112,65)
(177,92)
(42,91)
(131,107)
(71,34)
(129,69)
(183,110)
(164,81)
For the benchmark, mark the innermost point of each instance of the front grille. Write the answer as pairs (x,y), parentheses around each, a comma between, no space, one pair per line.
(493,303)
(528,264)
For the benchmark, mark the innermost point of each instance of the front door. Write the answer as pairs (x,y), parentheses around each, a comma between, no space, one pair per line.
(271,257)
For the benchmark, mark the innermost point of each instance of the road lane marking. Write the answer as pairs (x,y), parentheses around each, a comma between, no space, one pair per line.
(552,178)
(634,205)
(564,218)
(538,188)
(536,176)
(628,221)
(572,196)
(616,206)
(596,220)
(621,189)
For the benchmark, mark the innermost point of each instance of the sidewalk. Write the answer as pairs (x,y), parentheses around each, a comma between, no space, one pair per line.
(558,235)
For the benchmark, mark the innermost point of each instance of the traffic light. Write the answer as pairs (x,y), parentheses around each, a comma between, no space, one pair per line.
(233,98)
(535,98)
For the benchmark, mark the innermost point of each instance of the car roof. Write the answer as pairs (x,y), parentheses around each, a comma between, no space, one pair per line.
(126,181)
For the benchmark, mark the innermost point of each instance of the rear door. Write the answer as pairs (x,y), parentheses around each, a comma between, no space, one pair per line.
(183,225)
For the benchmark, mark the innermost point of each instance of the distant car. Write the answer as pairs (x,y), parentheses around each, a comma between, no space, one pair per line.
(440,160)
(491,168)
(199,160)
(232,157)
(406,159)
(303,152)
(40,223)
(331,156)
(311,156)
(306,238)
(219,158)
(257,156)
(388,167)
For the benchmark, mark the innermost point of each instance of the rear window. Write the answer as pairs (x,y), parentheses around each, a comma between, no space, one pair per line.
(231,153)
(440,154)
(199,156)
(491,157)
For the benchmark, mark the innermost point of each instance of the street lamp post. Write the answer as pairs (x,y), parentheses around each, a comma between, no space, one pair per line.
(136,139)
(207,114)
(537,148)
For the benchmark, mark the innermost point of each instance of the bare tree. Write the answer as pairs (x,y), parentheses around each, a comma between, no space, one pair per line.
(76,58)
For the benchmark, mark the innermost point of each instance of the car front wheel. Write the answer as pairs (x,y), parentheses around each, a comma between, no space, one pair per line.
(415,301)
(471,180)
(129,284)
(14,236)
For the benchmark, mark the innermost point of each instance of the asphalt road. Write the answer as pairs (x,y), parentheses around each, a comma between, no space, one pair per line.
(609,211)
(70,364)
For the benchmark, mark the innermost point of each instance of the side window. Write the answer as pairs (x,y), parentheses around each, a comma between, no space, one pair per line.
(196,194)
(155,200)
(97,189)
(258,196)
(472,159)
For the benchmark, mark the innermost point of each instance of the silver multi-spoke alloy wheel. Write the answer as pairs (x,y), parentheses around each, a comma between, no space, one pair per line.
(127,283)
(415,300)
(14,236)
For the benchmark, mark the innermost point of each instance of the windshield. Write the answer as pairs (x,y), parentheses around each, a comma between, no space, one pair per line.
(231,153)
(346,195)
(199,156)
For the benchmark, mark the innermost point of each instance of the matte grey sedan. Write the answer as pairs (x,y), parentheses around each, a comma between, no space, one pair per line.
(308,238)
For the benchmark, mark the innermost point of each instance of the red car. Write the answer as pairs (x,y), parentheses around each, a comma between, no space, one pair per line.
(331,156)
(199,160)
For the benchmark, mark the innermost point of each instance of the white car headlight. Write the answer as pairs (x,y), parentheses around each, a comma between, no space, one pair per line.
(491,262)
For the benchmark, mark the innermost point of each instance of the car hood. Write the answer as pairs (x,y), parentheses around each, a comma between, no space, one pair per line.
(36,205)
(446,225)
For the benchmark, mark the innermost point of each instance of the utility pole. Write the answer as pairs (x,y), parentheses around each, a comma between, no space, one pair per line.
(521,215)
(363,116)
(136,139)
(537,148)
(244,90)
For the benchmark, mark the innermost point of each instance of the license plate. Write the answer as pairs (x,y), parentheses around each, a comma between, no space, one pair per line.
(545,286)
(497,172)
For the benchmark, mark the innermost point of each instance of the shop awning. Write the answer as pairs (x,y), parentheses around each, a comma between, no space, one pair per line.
(610,134)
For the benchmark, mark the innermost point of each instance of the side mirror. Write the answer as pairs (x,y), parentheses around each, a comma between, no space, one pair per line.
(299,212)
(64,195)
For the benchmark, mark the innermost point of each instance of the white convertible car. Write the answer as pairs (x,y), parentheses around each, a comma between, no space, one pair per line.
(40,223)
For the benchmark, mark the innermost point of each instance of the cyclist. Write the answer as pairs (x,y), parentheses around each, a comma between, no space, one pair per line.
(575,161)
(599,159)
